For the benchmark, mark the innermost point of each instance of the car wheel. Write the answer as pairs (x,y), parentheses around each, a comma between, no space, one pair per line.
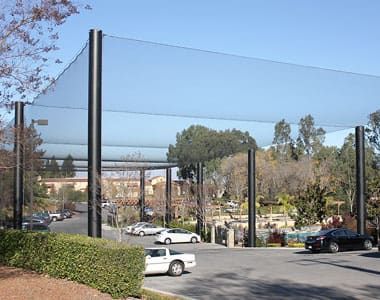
(176,268)
(367,245)
(141,233)
(333,247)
(54,219)
(193,240)
(167,241)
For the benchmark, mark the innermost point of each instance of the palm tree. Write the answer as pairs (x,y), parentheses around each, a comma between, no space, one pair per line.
(286,201)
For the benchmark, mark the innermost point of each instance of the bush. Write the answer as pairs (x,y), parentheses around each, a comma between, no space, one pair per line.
(260,241)
(296,245)
(105,265)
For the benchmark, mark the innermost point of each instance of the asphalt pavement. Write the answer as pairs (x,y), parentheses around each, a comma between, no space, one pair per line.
(258,273)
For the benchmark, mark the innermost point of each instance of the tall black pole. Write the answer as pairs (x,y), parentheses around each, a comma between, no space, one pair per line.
(18,193)
(94,133)
(168,190)
(360,179)
(142,195)
(251,198)
(200,208)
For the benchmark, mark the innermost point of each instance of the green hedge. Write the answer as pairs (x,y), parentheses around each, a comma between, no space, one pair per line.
(110,267)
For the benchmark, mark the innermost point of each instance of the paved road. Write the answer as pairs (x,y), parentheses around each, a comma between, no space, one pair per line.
(260,273)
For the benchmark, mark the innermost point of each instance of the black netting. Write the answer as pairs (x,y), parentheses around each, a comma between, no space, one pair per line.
(152,91)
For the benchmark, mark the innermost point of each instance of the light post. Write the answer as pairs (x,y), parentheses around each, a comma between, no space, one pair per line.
(40,122)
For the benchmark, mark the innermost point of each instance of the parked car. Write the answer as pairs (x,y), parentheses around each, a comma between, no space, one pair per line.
(338,239)
(65,212)
(130,228)
(147,229)
(232,204)
(177,235)
(164,260)
(37,227)
(43,215)
(106,204)
(33,220)
(148,211)
(56,216)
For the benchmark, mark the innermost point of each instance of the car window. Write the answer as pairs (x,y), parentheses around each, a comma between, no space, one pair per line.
(350,233)
(183,231)
(339,233)
(173,252)
(171,231)
(158,252)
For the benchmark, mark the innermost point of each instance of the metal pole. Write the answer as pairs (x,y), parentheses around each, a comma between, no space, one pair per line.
(168,206)
(360,179)
(251,198)
(94,133)
(31,174)
(200,214)
(18,193)
(142,195)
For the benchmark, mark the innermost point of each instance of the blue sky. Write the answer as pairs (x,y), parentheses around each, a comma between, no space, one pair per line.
(341,35)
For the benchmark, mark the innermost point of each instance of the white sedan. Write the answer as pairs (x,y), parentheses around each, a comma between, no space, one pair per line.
(131,227)
(177,235)
(147,229)
(164,260)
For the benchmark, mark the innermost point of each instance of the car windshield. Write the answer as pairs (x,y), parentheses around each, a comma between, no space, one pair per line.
(323,232)
(173,252)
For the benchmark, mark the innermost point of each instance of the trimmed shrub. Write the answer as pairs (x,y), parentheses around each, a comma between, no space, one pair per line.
(296,245)
(116,269)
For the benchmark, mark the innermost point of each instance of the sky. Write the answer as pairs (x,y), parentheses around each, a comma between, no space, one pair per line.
(339,35)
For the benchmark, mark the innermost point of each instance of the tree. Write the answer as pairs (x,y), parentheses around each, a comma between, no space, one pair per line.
(282,140)
(201,144)
(28,34)
(67,168)
(52,168)
(310,205)
(310,139)
(286,201)
(373,130)
(234,170)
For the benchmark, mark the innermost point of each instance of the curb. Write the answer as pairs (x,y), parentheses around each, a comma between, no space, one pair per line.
(168,293)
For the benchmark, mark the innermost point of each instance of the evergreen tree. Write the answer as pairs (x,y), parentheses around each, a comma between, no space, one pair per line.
(310,139)
(67,168)
(282,140)
(201,144)
(310,205)
(52,168)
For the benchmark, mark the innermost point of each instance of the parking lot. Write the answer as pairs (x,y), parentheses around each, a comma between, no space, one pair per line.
(259,273)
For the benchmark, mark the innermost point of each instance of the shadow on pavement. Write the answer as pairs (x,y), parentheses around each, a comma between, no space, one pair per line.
(371,254)
(233,286)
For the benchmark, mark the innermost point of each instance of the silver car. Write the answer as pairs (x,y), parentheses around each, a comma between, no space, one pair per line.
(147,229)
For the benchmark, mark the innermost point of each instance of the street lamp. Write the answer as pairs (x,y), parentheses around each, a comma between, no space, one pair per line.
(40,122)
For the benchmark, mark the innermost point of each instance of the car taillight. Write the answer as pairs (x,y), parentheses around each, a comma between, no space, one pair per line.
(320,238)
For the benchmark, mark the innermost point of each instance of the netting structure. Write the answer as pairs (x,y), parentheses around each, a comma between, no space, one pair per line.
(151,92)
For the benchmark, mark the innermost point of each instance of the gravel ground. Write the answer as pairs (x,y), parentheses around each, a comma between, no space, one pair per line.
(27,285)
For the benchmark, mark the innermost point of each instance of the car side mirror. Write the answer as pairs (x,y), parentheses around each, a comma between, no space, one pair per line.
(148,257)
